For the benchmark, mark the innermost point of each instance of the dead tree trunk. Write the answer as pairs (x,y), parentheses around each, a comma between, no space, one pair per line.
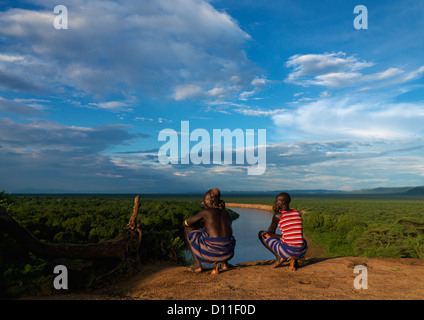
(115,248)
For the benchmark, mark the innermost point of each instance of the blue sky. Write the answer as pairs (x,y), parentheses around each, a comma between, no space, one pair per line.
(81,109)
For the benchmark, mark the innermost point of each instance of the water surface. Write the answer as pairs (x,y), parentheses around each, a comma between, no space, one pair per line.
(245,230)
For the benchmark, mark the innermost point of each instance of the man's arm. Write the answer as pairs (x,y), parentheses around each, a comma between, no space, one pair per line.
(193,219)
(273,226)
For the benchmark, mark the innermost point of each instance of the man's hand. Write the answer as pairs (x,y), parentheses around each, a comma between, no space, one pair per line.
(265,235)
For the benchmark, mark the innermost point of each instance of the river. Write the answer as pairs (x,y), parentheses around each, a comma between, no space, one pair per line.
(245,230)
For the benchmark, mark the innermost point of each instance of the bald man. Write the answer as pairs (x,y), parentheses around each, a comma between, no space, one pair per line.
(214,243)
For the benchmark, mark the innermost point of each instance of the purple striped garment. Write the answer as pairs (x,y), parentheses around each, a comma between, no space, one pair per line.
(210,250)
(284,250)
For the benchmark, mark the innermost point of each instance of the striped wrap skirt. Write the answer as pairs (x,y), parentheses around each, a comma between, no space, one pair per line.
(210,250)
(285,251)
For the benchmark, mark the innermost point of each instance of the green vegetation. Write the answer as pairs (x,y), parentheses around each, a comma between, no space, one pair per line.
(375,227)
(360,225)
(85,219)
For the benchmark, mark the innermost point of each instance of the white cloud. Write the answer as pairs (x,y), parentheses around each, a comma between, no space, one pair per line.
(187,92)
(19,107)
(10,58)
(258,112)
(345,164)
(221,93)
(389,73)
(145,46)
(51,135)
(337,80)
(257,84)
(348,117)
(216,92)
(337,70)
(111,105)
(321,64)
(108,175)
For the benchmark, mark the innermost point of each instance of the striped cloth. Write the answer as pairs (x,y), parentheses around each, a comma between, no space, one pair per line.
(284,250)
(291,226)
(210,250)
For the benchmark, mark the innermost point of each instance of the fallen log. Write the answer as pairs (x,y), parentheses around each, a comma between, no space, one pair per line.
(115,248)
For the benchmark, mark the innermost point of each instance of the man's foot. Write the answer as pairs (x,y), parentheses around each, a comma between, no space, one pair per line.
(278,262)
(215,269)
(194,268)
(293,264)
(224,266)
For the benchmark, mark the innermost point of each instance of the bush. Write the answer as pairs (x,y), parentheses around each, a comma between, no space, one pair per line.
(6,200)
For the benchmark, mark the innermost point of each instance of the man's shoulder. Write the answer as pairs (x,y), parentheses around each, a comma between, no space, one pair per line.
(294,211)
(208,211)
(289,211)
(277,215)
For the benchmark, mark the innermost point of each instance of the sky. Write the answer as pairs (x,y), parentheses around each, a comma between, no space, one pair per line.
(82,107)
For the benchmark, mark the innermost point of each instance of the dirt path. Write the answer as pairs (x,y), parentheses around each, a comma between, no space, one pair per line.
(319,278)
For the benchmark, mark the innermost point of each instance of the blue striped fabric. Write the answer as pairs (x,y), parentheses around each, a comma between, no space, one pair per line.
(284,250)
(210,250)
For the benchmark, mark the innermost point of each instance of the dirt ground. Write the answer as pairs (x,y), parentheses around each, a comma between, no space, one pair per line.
(319,278)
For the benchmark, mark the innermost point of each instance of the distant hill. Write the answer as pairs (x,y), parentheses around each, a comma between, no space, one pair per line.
(382,190)
(402,191)
(275,192)
(376,191)
(417,191)
(393,190)
(407,191)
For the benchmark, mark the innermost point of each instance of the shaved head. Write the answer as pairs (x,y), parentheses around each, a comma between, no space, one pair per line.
(215,192)
(212,198)
(282,202)
(284,196)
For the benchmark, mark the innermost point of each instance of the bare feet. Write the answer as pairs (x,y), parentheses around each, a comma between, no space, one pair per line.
(194,268)
(215,269)
(224,266)
(278,262)
(293,264)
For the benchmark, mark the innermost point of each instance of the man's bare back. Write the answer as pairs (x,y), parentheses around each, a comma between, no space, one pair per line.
(217,224)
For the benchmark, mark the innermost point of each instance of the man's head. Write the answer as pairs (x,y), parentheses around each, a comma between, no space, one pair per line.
(212,198)
(282,201)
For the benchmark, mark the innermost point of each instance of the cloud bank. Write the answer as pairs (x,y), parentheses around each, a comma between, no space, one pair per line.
(181,48)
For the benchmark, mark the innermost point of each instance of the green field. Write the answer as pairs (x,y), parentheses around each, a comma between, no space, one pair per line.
(360,225)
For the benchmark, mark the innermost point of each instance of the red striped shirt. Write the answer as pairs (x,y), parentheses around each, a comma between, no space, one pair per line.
(291,226)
